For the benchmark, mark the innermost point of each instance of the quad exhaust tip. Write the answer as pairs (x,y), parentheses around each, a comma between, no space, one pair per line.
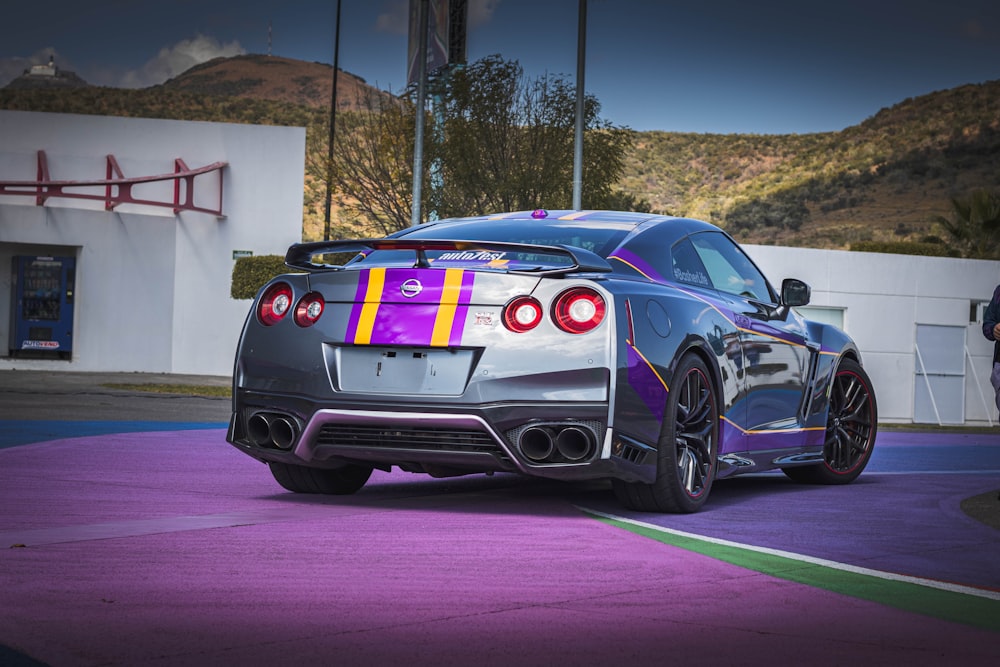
(269,429)
(557,443)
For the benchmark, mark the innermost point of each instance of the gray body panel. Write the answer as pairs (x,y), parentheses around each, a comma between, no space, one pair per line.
(412,365)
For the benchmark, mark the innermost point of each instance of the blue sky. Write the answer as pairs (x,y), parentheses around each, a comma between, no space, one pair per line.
(769,67)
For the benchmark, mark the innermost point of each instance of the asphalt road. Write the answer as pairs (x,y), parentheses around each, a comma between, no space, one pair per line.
(142,538)
(55,396)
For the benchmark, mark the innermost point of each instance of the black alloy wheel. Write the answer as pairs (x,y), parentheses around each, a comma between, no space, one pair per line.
(687,449)
(851,426)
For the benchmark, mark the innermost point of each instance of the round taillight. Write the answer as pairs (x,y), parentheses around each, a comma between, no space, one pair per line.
(522,314)
(274,304)
(578,310)
(308,310)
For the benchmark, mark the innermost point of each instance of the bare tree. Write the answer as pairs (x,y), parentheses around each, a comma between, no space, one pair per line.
(372,163)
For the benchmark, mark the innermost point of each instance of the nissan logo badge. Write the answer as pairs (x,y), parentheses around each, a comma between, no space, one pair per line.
(411,288)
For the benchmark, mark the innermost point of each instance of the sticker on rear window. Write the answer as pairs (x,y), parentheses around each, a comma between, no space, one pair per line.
(472,256)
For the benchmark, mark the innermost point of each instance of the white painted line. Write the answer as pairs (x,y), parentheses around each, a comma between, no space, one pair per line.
(889,576)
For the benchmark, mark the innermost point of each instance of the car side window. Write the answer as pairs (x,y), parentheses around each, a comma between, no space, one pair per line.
(729,269)
(686,265)
(652,247)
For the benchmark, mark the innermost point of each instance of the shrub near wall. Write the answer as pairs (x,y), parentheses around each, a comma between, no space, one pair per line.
(252,273)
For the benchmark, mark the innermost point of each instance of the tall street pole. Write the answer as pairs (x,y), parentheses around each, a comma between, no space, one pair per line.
(418,142)
(333,125)
(581,62)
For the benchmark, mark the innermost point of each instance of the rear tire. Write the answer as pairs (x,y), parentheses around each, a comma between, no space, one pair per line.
(687,448)
(851,425)
(339,482)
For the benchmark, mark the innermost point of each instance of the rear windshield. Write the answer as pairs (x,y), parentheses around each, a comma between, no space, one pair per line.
(598,237)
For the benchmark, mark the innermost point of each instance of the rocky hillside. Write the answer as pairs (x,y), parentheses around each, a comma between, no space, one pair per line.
(272,78)
(884,179)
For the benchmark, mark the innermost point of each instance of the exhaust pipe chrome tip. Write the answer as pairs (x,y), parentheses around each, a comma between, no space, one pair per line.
(536,443)
(259,429)
(574,443)
(282,433)
(269,429)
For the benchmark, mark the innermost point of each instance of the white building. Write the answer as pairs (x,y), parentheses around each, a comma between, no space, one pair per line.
(152,287)
(917,321)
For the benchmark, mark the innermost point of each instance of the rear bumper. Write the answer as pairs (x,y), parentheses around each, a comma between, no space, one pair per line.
(558,440)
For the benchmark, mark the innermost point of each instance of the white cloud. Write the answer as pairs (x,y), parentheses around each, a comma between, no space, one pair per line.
(179,58)
(481,12)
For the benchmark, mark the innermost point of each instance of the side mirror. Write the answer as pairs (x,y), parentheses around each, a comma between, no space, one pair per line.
(794,293)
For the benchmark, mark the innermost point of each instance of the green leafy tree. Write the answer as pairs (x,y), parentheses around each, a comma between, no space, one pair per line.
(975,225)
(495,141)
(506,143)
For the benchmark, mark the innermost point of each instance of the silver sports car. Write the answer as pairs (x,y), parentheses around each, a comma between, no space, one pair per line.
(647,350)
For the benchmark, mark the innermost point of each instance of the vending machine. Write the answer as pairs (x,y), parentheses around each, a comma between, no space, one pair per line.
(42,305)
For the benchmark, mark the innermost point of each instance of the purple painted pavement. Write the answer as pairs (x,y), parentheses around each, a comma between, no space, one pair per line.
(902,515)
(172,548)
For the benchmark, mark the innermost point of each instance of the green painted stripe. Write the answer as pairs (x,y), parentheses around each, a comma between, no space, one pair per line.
(970,606)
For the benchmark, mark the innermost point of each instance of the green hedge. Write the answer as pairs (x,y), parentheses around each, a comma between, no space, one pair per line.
(252,273)
(905,248)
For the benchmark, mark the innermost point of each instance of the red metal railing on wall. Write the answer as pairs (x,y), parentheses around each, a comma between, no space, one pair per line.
(117,188)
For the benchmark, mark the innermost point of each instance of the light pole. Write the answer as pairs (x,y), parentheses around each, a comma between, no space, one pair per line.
(418,142)
(333,125)
(581,61)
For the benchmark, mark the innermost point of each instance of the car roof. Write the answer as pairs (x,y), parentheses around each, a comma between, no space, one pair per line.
(627,220)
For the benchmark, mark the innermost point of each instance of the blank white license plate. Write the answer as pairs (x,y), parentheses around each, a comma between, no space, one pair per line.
(438,372)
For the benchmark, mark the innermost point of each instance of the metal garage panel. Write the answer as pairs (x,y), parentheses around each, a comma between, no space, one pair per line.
(939,390)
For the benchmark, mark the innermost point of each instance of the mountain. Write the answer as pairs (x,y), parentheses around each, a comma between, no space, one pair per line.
(272,78)
(46,77)
(884,179)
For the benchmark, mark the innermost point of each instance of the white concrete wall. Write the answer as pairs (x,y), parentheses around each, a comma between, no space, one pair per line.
(152,287)
(884,298)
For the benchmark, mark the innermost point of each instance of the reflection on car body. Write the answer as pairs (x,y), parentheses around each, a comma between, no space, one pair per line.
(646,350)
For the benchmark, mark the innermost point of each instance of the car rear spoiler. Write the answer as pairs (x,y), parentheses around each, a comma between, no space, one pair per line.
(300,255)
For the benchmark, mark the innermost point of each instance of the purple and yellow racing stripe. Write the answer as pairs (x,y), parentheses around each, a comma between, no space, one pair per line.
(424,307)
